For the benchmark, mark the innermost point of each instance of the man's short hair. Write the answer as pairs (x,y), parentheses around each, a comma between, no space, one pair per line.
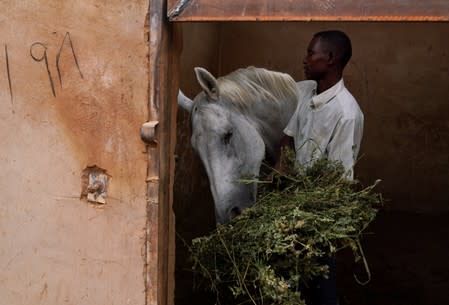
(339,43)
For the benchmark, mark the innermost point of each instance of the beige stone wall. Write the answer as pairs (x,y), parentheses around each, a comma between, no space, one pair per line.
(56,248)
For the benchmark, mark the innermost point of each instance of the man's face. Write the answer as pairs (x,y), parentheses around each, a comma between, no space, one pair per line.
(316,60)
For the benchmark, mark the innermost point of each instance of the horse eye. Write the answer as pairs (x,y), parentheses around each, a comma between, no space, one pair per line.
(227,137)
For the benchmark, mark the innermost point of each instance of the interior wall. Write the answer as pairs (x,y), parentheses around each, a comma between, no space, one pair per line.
(399,75)
(73,94)
(192,201)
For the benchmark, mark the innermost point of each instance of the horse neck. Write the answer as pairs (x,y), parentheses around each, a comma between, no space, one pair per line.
(270,120)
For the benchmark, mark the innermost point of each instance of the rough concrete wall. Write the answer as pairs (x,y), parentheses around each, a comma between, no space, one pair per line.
(73,81)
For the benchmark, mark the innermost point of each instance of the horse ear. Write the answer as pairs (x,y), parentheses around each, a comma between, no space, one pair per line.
(208,82)
(184,102)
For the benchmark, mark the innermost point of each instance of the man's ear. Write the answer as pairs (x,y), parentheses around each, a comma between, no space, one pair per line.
(332,59)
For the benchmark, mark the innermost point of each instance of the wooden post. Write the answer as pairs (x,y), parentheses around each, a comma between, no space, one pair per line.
(308,10)
(160,135)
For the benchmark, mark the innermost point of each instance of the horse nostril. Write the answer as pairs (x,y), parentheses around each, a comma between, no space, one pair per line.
(235,211)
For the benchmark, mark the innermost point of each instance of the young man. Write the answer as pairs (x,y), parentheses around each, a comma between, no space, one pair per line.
(327,123)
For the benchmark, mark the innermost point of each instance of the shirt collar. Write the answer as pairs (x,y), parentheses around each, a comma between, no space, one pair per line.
(326,96)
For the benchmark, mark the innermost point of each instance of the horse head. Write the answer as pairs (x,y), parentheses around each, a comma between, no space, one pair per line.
(229,139)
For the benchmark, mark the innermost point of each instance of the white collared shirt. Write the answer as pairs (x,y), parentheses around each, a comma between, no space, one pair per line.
(328,125)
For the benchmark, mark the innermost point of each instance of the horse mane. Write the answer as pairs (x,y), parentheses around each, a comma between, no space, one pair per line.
(244,87)
(266,98)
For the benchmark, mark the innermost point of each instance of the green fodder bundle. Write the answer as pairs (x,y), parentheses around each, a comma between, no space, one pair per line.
(273,249)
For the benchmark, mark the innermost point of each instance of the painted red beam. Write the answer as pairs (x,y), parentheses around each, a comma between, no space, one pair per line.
(308,10)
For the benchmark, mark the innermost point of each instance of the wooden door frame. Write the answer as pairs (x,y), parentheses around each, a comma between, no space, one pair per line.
(160,135)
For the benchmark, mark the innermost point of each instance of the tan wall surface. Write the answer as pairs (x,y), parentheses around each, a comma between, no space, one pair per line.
(54,247)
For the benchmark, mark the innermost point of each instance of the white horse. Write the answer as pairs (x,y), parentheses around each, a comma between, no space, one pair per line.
(237,122)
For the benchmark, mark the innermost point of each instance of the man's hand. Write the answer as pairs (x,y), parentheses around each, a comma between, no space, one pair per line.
(285,144)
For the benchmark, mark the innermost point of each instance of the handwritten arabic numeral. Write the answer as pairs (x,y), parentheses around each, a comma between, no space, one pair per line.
(8,73)
(33,50)
(69,39)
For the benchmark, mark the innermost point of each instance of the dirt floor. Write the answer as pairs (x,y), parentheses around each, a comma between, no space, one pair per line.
(407,254)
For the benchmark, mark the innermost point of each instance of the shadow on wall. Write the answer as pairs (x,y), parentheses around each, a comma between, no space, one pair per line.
(407,254)
(194,213)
